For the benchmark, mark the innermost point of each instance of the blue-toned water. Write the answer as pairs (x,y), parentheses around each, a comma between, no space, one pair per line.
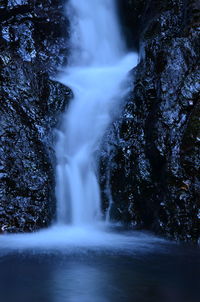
(97,73)
(148,270)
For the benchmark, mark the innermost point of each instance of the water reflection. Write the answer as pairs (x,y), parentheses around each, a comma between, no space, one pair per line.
(171,276)
(81,283)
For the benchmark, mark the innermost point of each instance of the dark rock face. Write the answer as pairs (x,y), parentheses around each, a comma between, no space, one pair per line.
(151,155)
(32,46)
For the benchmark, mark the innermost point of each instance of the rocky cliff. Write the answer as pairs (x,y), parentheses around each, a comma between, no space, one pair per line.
(151,155)
(32,46)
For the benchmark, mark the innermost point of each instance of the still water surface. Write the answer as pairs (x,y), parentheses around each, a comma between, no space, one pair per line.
(148,270)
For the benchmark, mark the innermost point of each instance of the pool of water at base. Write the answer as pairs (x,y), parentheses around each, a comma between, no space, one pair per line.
(161,272)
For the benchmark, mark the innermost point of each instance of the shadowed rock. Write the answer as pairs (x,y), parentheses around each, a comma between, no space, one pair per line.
(150,155)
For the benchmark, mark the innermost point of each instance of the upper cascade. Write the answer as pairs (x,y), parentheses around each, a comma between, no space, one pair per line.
(95,34)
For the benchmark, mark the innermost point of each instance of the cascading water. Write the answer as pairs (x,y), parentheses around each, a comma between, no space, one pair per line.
(98,67)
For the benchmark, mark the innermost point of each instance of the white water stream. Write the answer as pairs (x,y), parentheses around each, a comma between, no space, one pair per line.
(97,72)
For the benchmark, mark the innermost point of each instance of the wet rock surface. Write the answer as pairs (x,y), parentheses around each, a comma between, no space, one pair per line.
(150,161)
(32,46)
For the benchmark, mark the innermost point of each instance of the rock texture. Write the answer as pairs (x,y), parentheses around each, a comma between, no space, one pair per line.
(32,45)
(151,155)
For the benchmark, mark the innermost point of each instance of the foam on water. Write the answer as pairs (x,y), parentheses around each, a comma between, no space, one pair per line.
(77,239)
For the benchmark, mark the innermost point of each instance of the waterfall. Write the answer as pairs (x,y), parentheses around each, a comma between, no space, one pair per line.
(97,70)
(97,73)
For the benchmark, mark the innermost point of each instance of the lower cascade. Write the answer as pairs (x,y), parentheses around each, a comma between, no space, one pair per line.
(97,72)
